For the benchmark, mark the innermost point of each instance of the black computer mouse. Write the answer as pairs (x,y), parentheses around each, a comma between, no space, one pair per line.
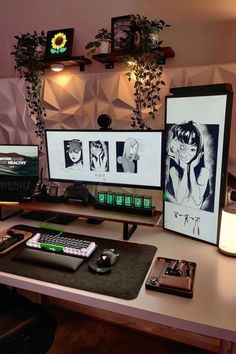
(107,258)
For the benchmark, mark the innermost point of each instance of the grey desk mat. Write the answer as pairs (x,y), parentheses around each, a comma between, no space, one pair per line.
(124,281)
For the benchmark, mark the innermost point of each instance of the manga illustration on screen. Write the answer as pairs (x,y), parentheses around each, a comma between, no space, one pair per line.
(190,171)
(99,156)
(127,155)
(73,154)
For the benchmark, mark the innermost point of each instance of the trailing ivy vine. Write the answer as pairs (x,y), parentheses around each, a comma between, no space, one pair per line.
(141,47)
(29,63)
(147,87)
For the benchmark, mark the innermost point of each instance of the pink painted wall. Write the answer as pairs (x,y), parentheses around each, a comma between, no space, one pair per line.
(202,32)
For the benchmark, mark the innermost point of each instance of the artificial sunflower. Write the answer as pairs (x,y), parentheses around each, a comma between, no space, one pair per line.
(58,43)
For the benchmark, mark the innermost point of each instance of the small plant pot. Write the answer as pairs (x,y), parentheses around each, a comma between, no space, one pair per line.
(104,48)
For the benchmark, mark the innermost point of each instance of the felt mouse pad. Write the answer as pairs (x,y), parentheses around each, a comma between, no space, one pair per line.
(124,281)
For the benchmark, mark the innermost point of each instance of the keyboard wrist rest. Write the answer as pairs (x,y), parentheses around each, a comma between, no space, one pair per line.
(54,260)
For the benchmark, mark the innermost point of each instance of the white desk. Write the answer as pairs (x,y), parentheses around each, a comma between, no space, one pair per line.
(211,311)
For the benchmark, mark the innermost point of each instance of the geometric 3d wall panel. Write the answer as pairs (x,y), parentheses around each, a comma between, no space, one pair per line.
(15,124)
(76,100)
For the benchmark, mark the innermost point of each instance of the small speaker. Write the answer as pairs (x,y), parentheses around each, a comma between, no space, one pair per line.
(231,181)
(231,196)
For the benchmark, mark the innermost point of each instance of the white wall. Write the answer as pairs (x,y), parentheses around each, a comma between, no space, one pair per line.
(76,100)
(202,33)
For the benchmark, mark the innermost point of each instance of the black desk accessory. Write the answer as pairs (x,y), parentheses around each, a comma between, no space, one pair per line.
(45,197)
(77,192)
(52,217)
(105,261)
(107,258)
(93,267)
(53,260)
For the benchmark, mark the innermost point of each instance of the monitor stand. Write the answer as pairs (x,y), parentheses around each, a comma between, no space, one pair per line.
(78,192)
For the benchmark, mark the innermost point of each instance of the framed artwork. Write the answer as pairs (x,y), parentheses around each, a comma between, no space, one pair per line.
(196,149)
(53,190)
(59,44)
(118,27)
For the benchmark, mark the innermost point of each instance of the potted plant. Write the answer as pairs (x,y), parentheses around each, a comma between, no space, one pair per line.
(141,49)
(102,40)
(29,62)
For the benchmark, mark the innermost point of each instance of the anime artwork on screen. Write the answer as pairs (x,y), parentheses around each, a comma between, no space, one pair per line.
(194,141)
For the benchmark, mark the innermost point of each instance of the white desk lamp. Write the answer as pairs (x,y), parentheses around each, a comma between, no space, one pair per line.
(227,240)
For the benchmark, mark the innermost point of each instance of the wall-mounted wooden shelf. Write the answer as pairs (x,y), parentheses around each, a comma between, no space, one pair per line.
(109,59)
(80,61)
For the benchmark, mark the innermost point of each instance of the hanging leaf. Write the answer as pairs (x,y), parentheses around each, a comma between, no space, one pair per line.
(145,67)
(29,63)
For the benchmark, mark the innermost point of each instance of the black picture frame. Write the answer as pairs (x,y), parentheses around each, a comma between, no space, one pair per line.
(118,25)
(53,190)
(197,128)
(63,49)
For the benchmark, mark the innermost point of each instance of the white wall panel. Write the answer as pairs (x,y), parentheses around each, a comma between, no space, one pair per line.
(75,101)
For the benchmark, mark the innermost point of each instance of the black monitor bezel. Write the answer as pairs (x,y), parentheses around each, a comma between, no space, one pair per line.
(71,181)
